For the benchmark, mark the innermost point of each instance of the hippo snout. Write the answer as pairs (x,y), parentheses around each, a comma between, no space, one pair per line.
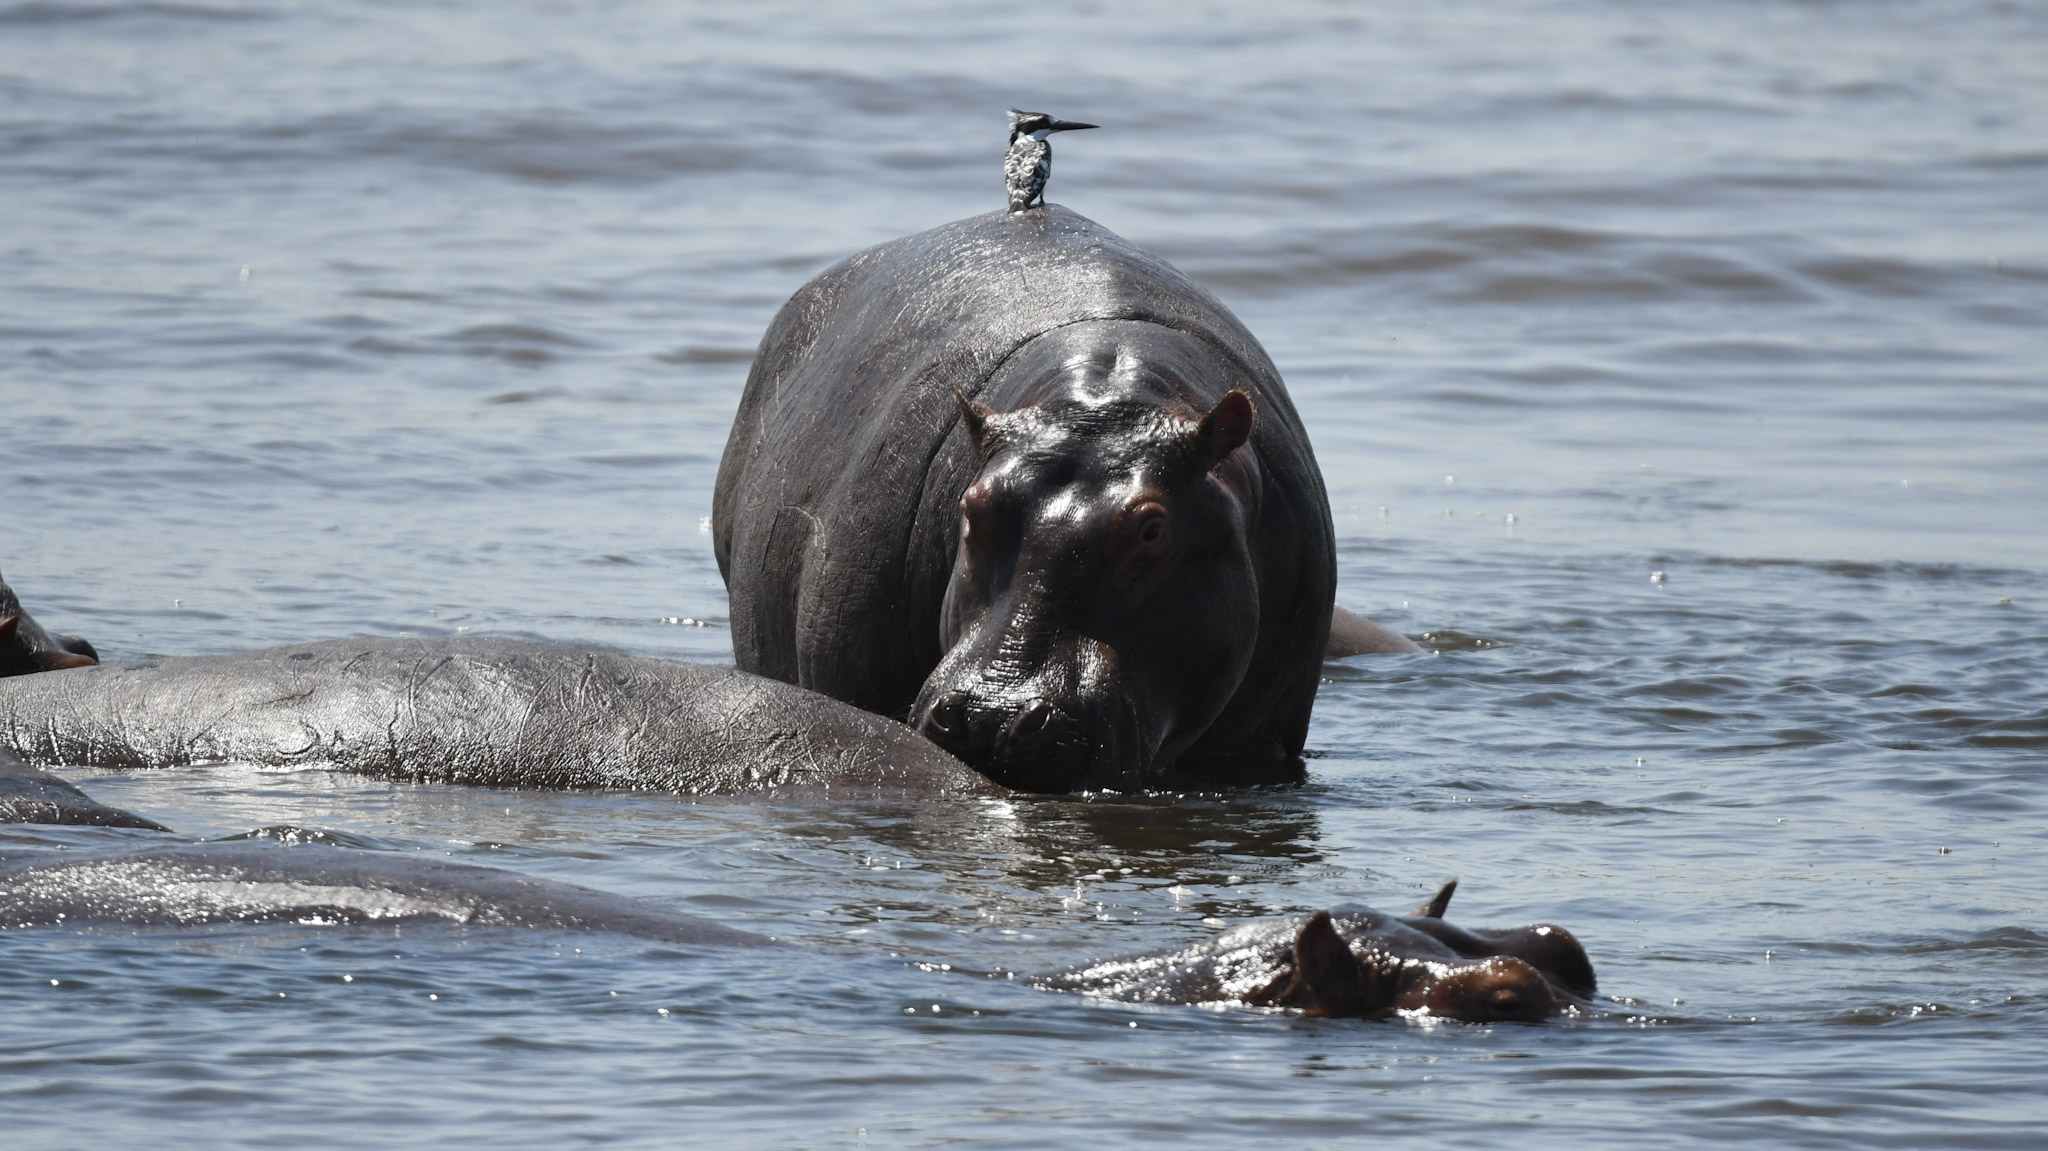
(1033,744)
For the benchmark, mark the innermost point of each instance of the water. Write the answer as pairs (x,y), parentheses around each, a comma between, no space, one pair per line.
(1752,294)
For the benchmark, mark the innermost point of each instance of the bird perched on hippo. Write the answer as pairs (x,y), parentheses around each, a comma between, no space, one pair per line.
(1028,487)
(1012,480)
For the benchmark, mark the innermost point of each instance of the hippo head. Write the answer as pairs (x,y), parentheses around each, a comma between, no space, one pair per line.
(1420,965)
(1329,978)
(1103,606)
(26,648)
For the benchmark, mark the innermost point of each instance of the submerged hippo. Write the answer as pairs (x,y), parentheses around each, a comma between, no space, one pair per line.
(474,711)
(31,795)
(1026,486)
(259,881)
(25,648)
(1359,963)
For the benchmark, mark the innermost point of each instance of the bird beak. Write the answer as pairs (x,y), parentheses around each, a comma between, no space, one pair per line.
(1069,125)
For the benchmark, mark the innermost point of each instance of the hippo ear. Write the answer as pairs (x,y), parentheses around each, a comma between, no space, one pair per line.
(10,627)
(974,416)
(1437,904)
(1225,429)
(1337,982)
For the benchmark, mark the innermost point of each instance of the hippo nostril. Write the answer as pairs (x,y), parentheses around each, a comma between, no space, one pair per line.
(948,716)
(1032,719)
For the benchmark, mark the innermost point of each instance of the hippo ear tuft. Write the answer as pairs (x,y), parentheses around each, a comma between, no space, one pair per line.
(974,416)
(1225,429)
(1438,903)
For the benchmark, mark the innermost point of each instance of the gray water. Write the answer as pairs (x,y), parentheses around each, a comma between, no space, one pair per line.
(320,320)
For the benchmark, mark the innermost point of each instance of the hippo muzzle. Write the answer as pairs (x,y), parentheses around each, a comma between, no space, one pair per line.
(1069,724)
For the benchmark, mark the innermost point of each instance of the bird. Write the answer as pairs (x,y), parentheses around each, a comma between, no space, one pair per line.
(1029,161)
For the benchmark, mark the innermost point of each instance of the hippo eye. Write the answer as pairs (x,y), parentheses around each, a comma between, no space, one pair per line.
(1150,531)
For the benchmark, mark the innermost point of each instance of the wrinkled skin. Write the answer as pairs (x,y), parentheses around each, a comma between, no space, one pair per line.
(1358,963)
(1024,485)
(484,712)
(25,648)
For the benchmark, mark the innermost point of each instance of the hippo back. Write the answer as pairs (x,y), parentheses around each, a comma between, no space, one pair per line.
(837,509)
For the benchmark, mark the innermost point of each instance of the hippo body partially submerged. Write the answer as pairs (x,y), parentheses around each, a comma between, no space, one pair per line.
(475,711)
(261,881)
(31,795)
(1025,485)
(1360,963)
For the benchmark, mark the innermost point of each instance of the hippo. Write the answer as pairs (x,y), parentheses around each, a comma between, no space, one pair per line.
(1415,966)
(1359,963)
(254,879)
(25,648)
(1027,487)
(31,795)
(489,712)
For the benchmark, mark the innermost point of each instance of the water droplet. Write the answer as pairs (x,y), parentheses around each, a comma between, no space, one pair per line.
(348,979)
(1449,480)
(1511,519)
(661,1011)
(1656,577)
(245,273)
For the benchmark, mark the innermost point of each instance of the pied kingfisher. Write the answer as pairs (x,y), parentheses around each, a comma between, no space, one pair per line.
(1029,163)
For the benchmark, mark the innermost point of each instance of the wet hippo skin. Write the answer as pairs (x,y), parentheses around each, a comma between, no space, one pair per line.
(1360,963)
(474,711)
(256,881)
(31,795)
(1026,486)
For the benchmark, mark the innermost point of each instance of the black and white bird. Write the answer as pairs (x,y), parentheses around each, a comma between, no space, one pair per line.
(1029,163)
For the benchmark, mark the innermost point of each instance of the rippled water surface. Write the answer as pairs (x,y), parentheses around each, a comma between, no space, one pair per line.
(321,320)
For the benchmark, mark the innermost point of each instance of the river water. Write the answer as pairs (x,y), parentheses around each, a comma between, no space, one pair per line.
(320,320)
